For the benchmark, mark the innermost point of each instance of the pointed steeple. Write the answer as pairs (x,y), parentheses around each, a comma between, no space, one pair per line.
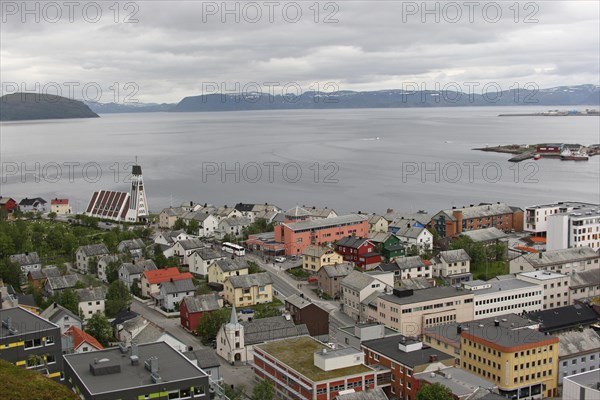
(233,320)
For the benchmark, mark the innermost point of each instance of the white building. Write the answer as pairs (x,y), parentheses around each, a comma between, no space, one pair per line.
(201,259)
(505,295)
(408,268)
(29,261)
(578,351)
(60,206)
(453,265)
(355,288)
(579,227)
(84,255)
(536,217)
(129,272)
(416,236)
(556,286)
(584,284)
(91,301)
(33,205)
(583,386)
(184,249)
(103,262)
(172,292)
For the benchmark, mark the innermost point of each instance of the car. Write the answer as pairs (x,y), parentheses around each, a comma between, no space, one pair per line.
(279,259)
(248,311)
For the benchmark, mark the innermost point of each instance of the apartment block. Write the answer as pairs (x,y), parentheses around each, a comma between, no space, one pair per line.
(556,286)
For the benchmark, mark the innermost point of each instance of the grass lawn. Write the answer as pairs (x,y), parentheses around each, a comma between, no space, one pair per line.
(17,383)
(298,273)
(494,268)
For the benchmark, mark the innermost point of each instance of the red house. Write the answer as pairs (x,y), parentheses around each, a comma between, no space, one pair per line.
(7,205)
(192,309)
(357,250)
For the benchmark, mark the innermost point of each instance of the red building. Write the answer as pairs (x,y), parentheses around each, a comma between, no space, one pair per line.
(357,250)
(7,205)
(550,148)
(304,311)
(193,308)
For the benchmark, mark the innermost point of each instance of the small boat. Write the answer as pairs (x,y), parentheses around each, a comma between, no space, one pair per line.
(569,155)
(537,156)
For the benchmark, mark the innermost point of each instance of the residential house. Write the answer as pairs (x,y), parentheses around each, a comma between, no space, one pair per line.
(355,288)
(417,237)
(411,311)
(200,259)
(103,263)
(236,341)
(563,319)
(207,360)
(169,238)
(320,212)
(129,272)
(506,295)
(408,268)
(84,255)
(56,284)
(220,270)
(329,278)
(172,292)
(33,205)
(563,261)
(304,311)
(183,249)
(316,257)
(377,224)
(248,290)
(311,370)
(488,236)
(226,212)
(193,308)
(60,206)
(7,206)
(116,373)
(578,351)
(37,278)
(30,341)
(255,211)
(388,245)
(134,246)
(585,284)
(82,341)
(139,330)
(62,317)
(403,357)
(207,223)
(358,250)
(556,286)
(91,301)
(453,265)
(29,261)
(153,278)
(451,223)
(168,217)
(232,227)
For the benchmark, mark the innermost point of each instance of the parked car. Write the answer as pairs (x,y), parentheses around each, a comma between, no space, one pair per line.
(279,259)
(248,311)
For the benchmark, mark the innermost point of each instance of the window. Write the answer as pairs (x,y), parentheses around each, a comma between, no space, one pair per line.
(49,340)
(33,343)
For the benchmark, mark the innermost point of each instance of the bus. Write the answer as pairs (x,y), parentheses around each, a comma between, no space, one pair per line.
(233,249)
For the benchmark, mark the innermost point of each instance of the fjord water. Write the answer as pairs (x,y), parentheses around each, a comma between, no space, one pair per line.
(364,159)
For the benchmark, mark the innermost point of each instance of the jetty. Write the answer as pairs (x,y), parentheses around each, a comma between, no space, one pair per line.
(522,157)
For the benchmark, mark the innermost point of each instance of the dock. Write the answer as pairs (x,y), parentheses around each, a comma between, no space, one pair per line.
(521,157)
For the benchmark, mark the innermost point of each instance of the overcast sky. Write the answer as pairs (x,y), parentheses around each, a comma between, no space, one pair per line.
(180,48)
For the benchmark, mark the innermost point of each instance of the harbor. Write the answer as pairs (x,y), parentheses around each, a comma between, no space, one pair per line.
(558,113)
(561,151)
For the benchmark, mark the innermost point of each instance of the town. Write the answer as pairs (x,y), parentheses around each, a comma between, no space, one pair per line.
(253,301)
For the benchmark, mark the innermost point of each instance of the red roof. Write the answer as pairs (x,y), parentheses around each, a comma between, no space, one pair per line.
(524,248)
(80,337)
(537,239)
(60,201)
(164,275)
(427,262)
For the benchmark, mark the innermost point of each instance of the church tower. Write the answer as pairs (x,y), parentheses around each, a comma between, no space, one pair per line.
(234,338)
(138,205)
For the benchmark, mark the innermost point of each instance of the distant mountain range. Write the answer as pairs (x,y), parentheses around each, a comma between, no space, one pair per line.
(17,107)
(33,106)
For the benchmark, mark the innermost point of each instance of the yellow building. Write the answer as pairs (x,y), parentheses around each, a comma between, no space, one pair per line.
(248,290)
(523,363)
(221,270)
(316,257)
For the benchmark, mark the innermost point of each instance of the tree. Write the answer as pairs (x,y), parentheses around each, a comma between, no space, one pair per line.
(99,327)
(263,391)
(52,215)
(234,393)
(159,258)
(112,271)
(434,392)
(179,225)
(266,312)
(69,300)
(193,227)
(10,273)
(210,323)
(136,289)
(118,298)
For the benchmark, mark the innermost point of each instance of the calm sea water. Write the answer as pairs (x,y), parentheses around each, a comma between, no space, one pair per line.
(368,160)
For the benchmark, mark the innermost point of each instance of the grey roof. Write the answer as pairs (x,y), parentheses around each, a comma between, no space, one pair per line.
(248,281)
(398,217)
(564,317)
(236,221)
(460,381)
(50,270)
(36,274)
(178,286)
(502,336)
(31,202)
(562,256)
(272,328)
(173,366)
(62,282)
(206,358)
(371,394)
(575,342)
(357,280)
(589,379)
(199,216)
(25,258)
(299,302)
(170,236)
(227,265)
(191,244)
(409,232)
(480,211)
(352,241)
(315,251)
(55,311)
(173,211)
(585,278)
(94,249)
(23,321)
(320,212)
(379,237)
(139,267)
(205,302)
(326,222)
(297,212)
(91,294)
(388,347)
(416,283)
(209,254)
(404,263)
(338,270)
(132,244)
(452,256)
(500,285)
(486,234)
(418,296)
